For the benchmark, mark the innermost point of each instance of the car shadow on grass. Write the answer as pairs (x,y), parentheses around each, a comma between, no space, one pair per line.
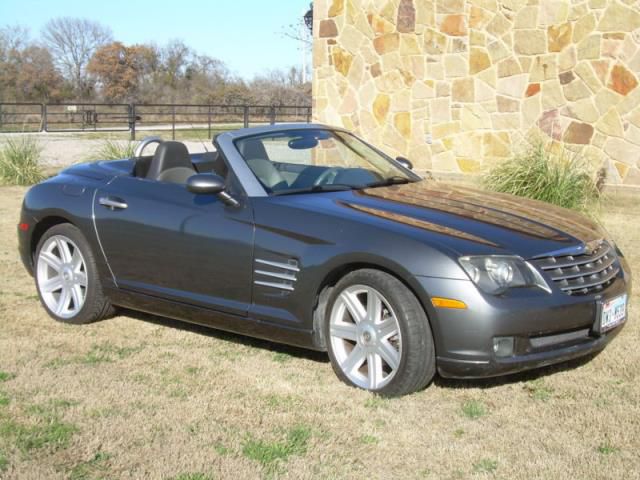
(322,357)
(520,377)
(276,348)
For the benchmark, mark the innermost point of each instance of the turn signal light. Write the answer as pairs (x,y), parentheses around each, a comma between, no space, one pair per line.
(440,302)
(23,226)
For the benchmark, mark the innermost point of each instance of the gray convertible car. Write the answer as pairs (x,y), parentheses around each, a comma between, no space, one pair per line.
(307,235)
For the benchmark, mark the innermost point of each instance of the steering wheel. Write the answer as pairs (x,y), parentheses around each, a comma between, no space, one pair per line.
(325,177)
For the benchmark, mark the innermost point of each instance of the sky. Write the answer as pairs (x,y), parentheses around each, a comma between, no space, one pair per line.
(245,34)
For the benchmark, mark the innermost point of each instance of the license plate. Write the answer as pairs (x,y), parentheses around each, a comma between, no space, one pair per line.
(614,312)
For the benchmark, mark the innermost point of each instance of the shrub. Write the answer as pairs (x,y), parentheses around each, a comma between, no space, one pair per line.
(20,161)
(115,150)
(540,174)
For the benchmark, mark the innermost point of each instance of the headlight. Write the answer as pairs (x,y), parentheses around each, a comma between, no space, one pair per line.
(496,273)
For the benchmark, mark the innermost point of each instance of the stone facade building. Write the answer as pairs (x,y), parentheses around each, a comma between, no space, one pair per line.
(455,85)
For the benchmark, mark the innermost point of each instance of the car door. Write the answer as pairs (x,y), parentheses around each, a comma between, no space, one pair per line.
(162,240)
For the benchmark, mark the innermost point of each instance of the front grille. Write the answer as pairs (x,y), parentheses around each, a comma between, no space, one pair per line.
(584,273)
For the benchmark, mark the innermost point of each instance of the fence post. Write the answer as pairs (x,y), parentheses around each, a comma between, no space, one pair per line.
(132,121)
(0,116)
(272,114)
(43,119)
(245,116)
(173,122)
(209,119)
(308,114)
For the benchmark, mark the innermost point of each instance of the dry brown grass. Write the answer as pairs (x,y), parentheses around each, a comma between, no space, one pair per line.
(142,397)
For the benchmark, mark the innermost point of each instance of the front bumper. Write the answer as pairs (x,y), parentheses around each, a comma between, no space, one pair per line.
(546,328)
(588,345)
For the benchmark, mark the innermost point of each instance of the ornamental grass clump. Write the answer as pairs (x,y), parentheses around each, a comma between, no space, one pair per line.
(20,161)
(538,173)
(115,150)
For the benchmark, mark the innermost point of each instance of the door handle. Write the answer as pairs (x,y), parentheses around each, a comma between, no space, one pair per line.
(112,203)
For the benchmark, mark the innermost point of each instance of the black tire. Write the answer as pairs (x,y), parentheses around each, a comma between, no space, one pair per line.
(96,305)
(417,365)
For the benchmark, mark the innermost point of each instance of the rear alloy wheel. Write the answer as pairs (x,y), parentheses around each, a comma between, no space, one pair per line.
(378,335)
(66,277)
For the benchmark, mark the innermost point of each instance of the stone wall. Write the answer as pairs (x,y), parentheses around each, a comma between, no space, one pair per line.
(456,85)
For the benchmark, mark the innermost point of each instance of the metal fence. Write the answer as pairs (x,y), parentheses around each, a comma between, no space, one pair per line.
(133,118)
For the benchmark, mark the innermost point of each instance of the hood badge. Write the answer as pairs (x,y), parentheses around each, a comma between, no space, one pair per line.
(591,246)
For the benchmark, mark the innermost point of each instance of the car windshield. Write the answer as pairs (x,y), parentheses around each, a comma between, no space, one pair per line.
(316,160)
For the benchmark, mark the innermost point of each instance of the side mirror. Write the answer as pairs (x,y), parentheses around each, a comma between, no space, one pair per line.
(210,184)
(405,162)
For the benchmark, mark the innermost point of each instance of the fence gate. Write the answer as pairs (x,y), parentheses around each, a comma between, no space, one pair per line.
(82,117)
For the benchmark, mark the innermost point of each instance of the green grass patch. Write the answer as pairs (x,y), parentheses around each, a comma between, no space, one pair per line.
(486,465)
(281,357)
(99,353)
(538,390)
(539,173)
(6,376)
(50,433)
(221,449)
(376,402)
(44,428)
(51,408)
(474,409)
(270,453)
(4,399)
(4,462)
(606,448)
(281,401)
(369,440)
(91,468)
(20,161)
(192,476)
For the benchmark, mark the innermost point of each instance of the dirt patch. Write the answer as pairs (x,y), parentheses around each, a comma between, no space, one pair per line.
(144,397)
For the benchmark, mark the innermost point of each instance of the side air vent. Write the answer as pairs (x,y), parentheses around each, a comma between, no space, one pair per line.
(278,275)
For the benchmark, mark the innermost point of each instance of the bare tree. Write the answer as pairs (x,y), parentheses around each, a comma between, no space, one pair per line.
(302,32)
(73,41)
(12,38)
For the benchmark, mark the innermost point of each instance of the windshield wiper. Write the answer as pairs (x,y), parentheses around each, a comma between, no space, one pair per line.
(396,180)
(335,187)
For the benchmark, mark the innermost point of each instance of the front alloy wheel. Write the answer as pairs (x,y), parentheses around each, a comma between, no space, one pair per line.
(67,277)
(62,276)
(365,337)
(379,338)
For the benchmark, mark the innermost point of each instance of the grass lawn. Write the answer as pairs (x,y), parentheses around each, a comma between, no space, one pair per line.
(145,397)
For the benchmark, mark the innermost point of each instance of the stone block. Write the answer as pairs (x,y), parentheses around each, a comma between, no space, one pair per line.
(381,107)
(622,80)
(559,36)
(578,133)
(530,42)
(434,42)
(341,60)
(328,29)
(513,86)
(402,122)
(611,124)
(462,90)
(619,18)
(386,43)
(454,25)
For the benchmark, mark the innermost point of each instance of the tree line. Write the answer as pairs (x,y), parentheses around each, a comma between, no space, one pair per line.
(78,60)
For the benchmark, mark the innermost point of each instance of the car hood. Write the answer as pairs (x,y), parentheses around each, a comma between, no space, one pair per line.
(495,221)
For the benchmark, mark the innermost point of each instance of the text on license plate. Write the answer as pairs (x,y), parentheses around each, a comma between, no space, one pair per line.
(613,313)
